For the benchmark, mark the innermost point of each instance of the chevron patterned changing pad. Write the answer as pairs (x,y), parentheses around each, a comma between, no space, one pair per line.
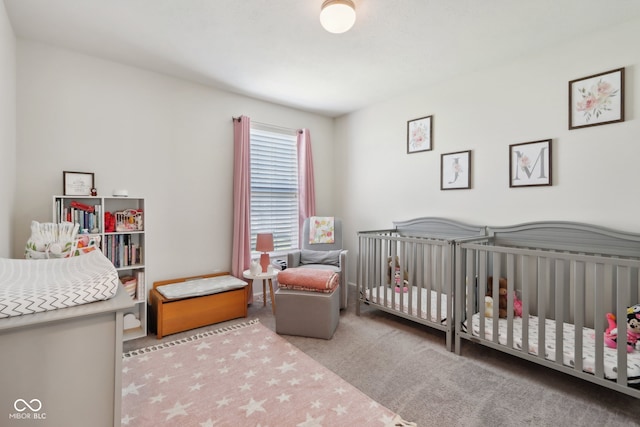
(29,286)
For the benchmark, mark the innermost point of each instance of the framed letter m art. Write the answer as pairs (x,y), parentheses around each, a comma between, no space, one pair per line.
(530,164)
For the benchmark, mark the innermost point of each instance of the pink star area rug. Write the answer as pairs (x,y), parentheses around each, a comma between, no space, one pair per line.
(245,375)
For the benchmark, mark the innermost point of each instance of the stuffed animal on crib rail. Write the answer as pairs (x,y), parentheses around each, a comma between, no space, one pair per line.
(633,328)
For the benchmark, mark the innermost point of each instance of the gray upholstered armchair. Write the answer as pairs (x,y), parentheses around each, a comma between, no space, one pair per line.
(328,256)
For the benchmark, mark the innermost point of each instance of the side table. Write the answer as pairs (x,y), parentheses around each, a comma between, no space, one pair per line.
(265,277)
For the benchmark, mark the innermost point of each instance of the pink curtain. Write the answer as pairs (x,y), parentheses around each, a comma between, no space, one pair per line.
(306,184)
(241,258)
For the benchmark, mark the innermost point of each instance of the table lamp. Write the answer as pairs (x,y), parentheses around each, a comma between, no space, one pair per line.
(264,244)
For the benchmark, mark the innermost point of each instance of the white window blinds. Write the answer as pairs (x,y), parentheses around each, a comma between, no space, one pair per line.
(274,186)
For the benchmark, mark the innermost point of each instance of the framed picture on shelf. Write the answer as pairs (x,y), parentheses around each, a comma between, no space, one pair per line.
(530,164)
(455,170)
(419,134)
(77,183)
(597,99)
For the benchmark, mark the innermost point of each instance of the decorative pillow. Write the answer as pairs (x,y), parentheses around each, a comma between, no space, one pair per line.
(308,256)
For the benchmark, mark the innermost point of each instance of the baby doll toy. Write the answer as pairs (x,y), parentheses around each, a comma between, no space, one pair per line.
(633,329)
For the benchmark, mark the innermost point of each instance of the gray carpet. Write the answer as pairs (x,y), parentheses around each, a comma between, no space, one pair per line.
(406,368)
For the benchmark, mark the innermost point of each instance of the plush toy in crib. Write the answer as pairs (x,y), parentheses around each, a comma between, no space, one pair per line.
(394,266)
(502,295)
(633,329)
(399,282)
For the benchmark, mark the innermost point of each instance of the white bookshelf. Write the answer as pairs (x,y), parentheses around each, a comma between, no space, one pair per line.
(124,246)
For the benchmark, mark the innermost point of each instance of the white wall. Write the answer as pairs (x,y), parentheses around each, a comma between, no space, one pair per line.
(161,138)
(595,170)
(7,131)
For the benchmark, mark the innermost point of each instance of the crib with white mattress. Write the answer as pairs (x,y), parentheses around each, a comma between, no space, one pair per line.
(566,276)
(408,270)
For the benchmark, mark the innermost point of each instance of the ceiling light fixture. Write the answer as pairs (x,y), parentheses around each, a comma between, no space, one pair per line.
(337,16)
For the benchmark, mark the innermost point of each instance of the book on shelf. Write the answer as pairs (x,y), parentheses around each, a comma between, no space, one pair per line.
(141,286)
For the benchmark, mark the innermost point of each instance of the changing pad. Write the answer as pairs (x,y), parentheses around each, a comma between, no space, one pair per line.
(200,287)
(30,286)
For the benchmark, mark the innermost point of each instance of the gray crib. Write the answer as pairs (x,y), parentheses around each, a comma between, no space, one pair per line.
(567,276)
(422,252)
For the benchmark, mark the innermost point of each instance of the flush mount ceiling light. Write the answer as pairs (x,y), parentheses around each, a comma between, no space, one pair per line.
(337,16)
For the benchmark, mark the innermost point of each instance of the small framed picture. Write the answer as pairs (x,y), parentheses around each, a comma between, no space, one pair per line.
(419,134)
(77,183)
(597,100)
(455,170)
(530,164)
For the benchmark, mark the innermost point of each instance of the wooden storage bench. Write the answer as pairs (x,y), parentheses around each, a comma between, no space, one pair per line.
(179,315)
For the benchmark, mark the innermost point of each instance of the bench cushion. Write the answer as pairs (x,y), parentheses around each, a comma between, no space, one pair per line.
(200,287)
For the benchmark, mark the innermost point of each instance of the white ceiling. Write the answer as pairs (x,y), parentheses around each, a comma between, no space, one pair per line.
(276,50)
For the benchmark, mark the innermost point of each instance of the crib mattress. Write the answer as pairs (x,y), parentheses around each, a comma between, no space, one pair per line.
(30,286)
(588,345)
(200,287)
(376,295)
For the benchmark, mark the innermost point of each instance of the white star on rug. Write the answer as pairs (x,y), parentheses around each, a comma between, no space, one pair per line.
(164,379)
(286,367)
(284,397)
(265,360)
(245,387)
(240,354)
(148,375)
(263,347)
(227,341)
(254,406)
(143,359)
(292,352)
(224,370)
(340,410)
(195,387)
(168,355)
(177,365)
(316,404)
(221,360)
(157,398)
(197,375)
(178,409)
(203,345)
(294,381)
(339,390)
(249,374)
(224,402)
(273,381)
(202,357)
(311,422)
(125,370)
(131,389)
(317,376)
(127,419)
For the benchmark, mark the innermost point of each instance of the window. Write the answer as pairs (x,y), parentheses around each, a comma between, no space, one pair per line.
(274,186)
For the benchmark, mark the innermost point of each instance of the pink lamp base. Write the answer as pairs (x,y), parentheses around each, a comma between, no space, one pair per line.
(265,261)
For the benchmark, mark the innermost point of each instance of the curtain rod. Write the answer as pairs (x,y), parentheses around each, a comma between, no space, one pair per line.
(268,125)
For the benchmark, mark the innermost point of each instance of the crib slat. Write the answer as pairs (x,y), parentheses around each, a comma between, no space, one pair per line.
(543,276)
(578,318)
(623,288)
(602,281)
(559,310)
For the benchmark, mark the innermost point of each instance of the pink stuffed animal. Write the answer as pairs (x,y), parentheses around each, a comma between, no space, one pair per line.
(633,329)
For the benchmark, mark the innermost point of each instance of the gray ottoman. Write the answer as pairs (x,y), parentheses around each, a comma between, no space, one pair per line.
(307,313)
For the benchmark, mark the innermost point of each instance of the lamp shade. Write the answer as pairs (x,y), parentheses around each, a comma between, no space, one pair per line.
(264,242)
(337,16)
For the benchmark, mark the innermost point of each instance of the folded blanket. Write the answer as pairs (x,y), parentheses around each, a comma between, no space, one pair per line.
(308,279)
(321,230)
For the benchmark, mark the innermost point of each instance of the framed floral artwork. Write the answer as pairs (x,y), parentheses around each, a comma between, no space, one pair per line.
(419,134)
(597,99)
(455,170)
(530,164)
